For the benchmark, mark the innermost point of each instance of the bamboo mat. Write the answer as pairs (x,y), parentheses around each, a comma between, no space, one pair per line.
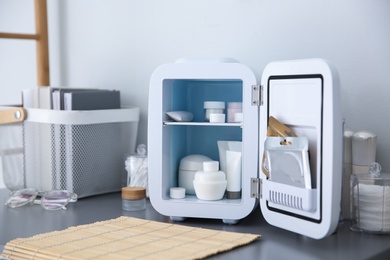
(127,238)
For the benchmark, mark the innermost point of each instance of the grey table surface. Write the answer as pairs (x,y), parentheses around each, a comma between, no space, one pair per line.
(275,243)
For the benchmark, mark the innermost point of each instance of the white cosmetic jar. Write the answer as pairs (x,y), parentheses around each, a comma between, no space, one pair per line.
(210,184)
(217,118)
(189,165)
(213,107)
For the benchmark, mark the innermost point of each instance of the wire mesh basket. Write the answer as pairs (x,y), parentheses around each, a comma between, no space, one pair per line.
(79,151)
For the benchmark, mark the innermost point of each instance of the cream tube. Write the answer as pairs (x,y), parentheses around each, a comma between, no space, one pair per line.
(224,146)
(233,174)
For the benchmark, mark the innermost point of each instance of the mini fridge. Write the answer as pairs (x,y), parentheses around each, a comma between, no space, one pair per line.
(302,94)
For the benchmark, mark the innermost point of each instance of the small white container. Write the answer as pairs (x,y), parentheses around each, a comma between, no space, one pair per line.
(238,117)
(213,107)
(177,193)
(217,118)
(210,184)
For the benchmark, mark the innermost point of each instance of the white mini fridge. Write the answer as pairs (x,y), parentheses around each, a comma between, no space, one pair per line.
(302,94)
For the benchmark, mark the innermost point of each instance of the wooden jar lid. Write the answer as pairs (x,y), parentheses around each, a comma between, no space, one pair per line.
(133,193)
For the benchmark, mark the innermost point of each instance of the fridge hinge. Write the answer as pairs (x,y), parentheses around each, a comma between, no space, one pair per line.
(257,95)
(256,188)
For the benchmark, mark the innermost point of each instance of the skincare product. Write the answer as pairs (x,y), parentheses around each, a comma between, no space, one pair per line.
(133,198)
(213,107)
(177,193)
(224,146)
(276,128)
(233,175)
(238,117)
(210,184)
(232,109)
(287,160)
(217,118)
(189,165)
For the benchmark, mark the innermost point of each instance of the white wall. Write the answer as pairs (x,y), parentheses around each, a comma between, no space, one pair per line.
(17,57)
(119,43)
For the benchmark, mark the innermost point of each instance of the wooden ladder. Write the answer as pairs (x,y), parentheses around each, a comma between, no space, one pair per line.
(41,37)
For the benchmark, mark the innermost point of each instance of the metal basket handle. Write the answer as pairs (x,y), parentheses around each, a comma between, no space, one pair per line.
(12,115)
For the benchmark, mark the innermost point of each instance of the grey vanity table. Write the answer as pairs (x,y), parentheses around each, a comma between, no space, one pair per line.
(274,244)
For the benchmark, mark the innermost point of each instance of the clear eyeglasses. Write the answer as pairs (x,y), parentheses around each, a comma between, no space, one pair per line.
(50,200)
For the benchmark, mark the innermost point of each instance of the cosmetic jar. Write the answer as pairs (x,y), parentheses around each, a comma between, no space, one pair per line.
(370,202)
(133,198)
(232,109)
(238,117)
(210,184)
(177,193)
(189,165)
(213,107)
(217,118)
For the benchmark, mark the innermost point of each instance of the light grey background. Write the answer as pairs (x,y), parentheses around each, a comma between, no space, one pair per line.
(118,44)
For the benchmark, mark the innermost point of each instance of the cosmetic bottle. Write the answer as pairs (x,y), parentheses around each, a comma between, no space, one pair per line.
(133,198)
(210,184)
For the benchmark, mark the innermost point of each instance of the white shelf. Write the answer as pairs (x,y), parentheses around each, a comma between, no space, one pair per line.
(201,124)
(194,199)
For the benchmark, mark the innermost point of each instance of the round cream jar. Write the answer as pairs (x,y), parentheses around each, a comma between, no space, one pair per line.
(133,198)
(210,184)
(189,165)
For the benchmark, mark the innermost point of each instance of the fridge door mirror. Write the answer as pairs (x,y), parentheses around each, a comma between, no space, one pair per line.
(304,96)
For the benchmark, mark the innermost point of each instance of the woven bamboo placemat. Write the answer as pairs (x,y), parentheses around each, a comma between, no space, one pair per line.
(127,238)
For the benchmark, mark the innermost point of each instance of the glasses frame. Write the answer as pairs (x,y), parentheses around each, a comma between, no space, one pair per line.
(49,200)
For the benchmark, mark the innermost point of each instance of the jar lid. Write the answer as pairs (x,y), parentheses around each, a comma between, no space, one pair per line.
(211,166)
(238,117)
(234,105)
(133,193)
(375,173)
(193,162)
(214,104)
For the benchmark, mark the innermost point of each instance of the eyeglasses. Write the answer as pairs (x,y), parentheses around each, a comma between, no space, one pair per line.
(50,200)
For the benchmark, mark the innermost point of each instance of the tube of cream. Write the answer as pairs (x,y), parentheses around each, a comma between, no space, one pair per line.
(233,175)
(224,146)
